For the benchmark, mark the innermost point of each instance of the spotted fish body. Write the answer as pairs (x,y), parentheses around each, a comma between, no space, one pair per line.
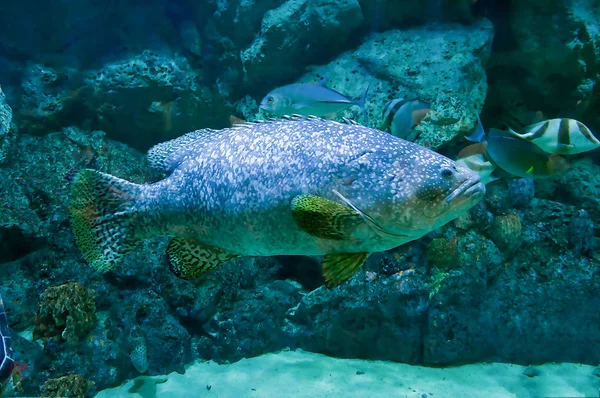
(303,186)
(560,136)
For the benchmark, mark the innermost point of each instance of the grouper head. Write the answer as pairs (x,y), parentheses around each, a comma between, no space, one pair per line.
(416,193)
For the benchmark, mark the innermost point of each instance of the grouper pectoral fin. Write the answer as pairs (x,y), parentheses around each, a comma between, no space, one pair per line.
(323,218)
(338,268)
(189,259)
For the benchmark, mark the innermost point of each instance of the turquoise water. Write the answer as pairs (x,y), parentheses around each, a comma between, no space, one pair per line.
(252,257)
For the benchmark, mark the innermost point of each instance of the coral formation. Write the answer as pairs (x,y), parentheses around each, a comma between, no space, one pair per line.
(443,252)
(67,311)
(506,231)
(68,386)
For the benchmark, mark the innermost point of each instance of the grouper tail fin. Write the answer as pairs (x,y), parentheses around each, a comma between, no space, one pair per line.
(102,217)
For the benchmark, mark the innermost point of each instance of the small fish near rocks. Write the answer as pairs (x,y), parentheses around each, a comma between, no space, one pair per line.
(508,154)
(291,186)
(559,136)
(310,100)
(401,116)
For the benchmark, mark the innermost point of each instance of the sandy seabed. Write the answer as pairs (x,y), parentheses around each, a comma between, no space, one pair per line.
(304,374)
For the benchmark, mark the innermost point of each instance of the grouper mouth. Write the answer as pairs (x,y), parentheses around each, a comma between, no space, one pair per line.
(464,196)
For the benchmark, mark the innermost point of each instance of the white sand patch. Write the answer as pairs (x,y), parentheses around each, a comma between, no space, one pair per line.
(304,374)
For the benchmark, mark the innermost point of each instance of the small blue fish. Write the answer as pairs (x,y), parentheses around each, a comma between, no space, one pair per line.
(309,100)
(402,116)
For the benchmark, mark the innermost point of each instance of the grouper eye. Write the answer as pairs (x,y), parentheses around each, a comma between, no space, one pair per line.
(270,100)
(447,173)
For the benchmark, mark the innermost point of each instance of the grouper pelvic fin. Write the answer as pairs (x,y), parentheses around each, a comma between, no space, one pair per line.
(338,268)
(102,216)
(167,156)
(323,218)
(190,259)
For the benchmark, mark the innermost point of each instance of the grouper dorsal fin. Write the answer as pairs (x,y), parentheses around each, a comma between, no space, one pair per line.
(167,156)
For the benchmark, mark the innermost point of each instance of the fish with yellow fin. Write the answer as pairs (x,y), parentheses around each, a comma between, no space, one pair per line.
(291,186)
(559,136)
(513,155)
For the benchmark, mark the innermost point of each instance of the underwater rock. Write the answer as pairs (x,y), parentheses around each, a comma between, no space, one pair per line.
(139,350)
(67,311)
(47,100)
(37,249)
(291,37)
(69,386)
(481,217)
(581,232)
(380,318)
(7,136)
(580,186)
(442,252)
(450,76)
(150,98)
(139,100)
(545,63)
(520,295)
(506,231)
(382,15)
(166,341)
(249,320)
(520,192)
(33,213)
(241,20)
(20,232)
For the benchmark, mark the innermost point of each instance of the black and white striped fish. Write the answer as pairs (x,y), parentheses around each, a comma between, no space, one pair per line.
(400,118)
(559,136)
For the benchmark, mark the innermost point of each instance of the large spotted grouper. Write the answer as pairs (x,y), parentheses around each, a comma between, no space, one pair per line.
(292,186)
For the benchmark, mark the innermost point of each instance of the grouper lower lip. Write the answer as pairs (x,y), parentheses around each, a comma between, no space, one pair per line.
(471,187)
(471,190)
(475,190)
